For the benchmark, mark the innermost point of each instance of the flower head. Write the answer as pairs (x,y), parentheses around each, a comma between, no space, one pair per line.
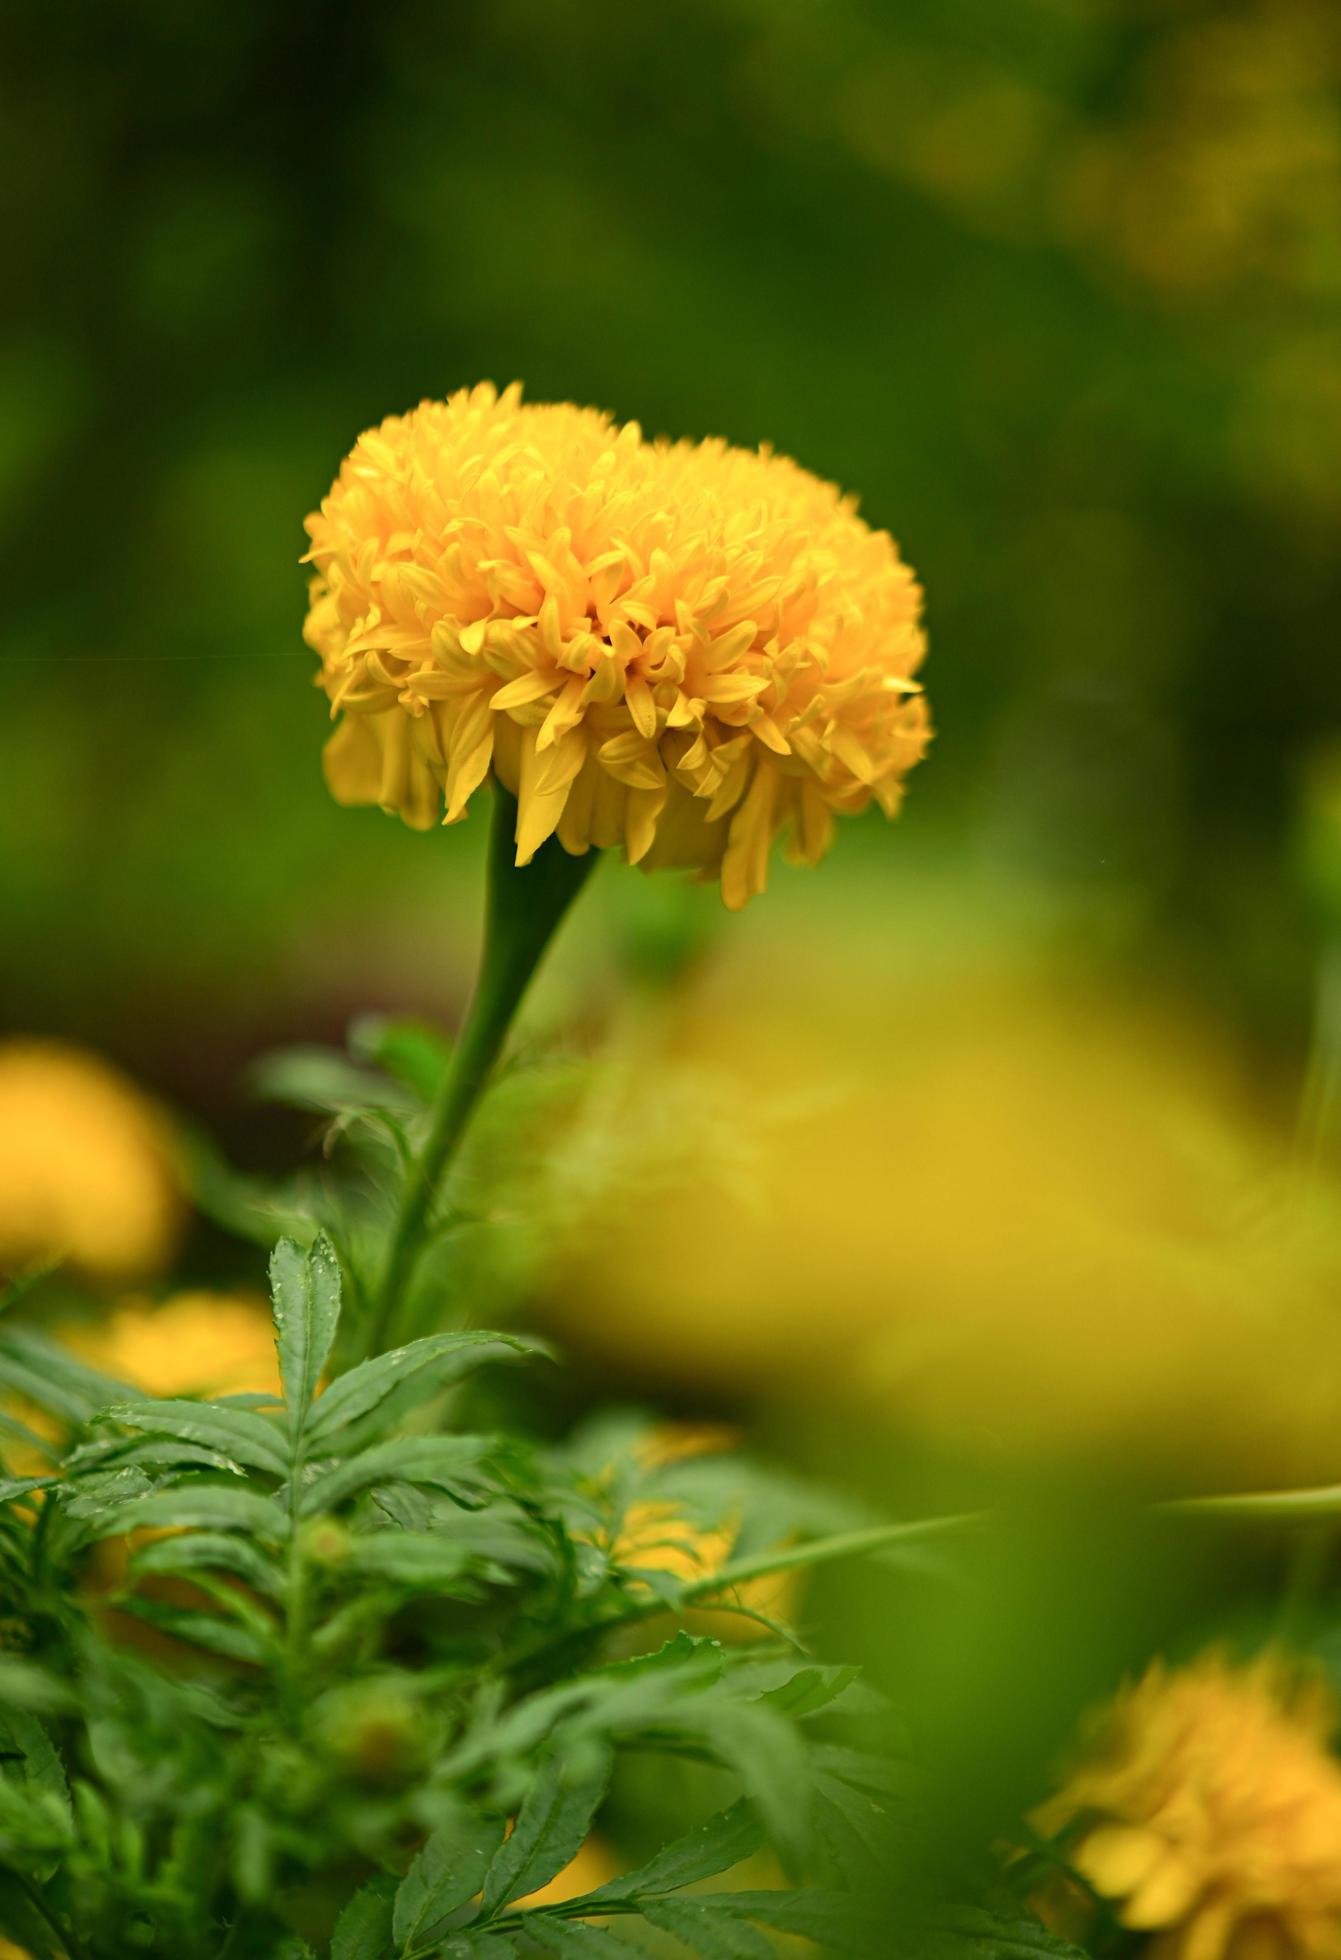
(676,649)
(1209,1808)
(85,1165)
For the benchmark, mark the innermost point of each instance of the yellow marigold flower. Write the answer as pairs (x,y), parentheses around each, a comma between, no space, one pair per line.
(1209,1809)
(194,1343)
(85,1166)
(658,1535)
(677,649)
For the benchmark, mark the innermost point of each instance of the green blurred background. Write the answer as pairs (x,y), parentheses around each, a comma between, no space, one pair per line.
(1052,284)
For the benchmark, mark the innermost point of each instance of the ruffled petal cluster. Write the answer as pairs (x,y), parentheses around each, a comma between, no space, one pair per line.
(679,650)
(1208,1808)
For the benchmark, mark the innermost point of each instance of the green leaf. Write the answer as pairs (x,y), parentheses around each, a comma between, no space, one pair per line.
(835,1921)
(808,1690)
(24,1685)
(103,1493)
(446,1874)
(200,1629)
(197,1506)
(420,1560)
(363,1931)
(428,1363)
(565,1937)
(41,1768)
(708,1931)
(159,1452)
(768,1756)
(46,1375)
(442,1462)
(198,1552)
(237,1433)
(305,1295)
(711,1847)
(12,1488)
(324,1080)
(415,1053)
(552,1823)
(973,1935)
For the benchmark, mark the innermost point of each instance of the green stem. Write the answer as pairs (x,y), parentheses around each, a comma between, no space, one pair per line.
(523,906)
(1268,1506)
(786,1558)
(823,1551)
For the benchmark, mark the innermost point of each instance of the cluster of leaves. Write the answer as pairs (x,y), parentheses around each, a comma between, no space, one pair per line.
(321,1675)
(370,1105)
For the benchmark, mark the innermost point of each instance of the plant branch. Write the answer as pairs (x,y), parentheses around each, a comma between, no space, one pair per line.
(785,1558)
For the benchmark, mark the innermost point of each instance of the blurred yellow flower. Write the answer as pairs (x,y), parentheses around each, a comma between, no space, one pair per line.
(193,1343)
(680,650)
(659,1535)
(996,1212)
(85,1166)
(594,1864)
(1208,1808)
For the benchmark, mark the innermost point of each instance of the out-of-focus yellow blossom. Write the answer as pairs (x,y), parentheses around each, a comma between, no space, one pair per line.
(594,1864)
(657,1535)
(197,1343)
(1207,1806)
(996,1214)
(677,649)
(194,1343)
(86,1169)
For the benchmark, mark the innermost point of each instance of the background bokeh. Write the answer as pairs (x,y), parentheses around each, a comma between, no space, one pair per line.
(1055,286)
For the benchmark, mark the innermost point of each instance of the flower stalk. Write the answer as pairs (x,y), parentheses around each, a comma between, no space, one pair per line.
(522,909)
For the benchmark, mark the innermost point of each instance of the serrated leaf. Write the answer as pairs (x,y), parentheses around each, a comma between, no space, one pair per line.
(200,1506)
(363,1930)
(305,1301)
(40,1766)
(973,1935)
(103,1493)
(428,1363)
(553,1822)
(45,1374)
(12,1488)
(420,1560)
(160,1452)
(238,1433)
(707,1931)
(438,1461)
(565,1937)
(446,1874)
(711,1847)
(809,1690)
(198,1552)
(199,1628)
(766,1753)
